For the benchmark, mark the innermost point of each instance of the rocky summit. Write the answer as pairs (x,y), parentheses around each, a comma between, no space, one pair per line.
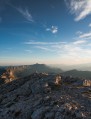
(45,96)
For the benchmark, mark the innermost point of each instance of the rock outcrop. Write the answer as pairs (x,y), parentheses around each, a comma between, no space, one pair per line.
(8,76)
(41,96)
(87,83)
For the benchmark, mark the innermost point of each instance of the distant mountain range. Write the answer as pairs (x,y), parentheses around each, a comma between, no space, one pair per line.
(25,70)
(15,72)
(82,67)
(76,73)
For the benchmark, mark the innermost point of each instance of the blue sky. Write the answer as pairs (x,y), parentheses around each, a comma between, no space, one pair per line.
(45,31)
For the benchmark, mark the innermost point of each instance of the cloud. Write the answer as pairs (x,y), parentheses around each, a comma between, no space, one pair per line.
(79,32)
(29,51)
(79,42)
(26,14)
(89,25)
(61,47)
(74,52)
(81,8)
(42,43)
(44,48)
(85,35)
(53,29)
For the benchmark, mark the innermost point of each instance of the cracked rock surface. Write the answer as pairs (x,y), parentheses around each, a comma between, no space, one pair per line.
(38,96)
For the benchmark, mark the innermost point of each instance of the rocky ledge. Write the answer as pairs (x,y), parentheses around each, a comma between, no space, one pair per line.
(41,96)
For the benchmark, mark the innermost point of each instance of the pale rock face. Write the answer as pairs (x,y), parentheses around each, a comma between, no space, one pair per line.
(8,76)
(87,83)
(58,80)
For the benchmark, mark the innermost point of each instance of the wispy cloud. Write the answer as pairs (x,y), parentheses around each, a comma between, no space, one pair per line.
(79,42)
(29,51)
(81,8)
(73,52)
(77,51)
(61,47)
(44,48)
(43,43)
(89,25)
(53,29)
(85,35)
(25,13)
(79,32)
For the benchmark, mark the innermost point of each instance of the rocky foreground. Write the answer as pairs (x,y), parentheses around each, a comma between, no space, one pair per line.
(42,96)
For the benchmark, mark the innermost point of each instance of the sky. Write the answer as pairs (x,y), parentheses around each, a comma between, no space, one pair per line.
(45,31)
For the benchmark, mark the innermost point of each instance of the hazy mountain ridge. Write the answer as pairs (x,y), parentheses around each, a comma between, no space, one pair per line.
(82,67)
(15,72)
(77,73)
